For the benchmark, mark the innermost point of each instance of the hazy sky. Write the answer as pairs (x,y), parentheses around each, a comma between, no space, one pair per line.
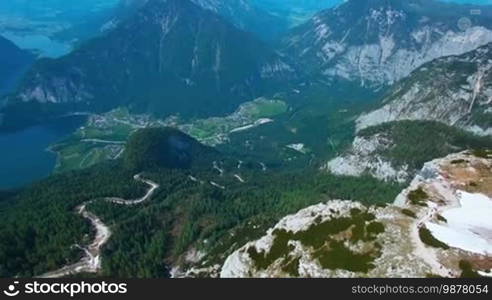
(471,1)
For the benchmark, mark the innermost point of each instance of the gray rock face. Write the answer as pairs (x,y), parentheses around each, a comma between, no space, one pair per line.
(378,42)
(455,90)
(364,157)
(244,14)
(172,56)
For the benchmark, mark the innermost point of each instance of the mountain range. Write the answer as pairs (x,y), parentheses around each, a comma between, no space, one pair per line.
(212,148)
(443,106)
(294,12)
(454,90)
(244,14)
(196,57)
(375,43)
(170,57)
(13,62)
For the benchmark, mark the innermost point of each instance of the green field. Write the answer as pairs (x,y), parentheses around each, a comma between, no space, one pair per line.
(102,137)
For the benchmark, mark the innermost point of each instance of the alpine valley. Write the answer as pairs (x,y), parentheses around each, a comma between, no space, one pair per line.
(250,138)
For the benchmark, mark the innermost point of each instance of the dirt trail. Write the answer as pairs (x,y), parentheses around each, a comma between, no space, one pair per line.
(426,253)
(91,261)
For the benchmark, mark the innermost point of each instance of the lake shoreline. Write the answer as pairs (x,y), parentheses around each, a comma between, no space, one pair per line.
(26,155)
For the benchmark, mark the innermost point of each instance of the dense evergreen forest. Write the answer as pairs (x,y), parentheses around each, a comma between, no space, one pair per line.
(38,226)
(206,200)
(417,142)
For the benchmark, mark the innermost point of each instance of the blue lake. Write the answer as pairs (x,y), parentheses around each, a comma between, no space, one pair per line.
(45,46)
(23,154)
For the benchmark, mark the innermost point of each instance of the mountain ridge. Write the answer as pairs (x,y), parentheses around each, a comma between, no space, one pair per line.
(454,90)
(409,238)
(13,63)
(171,57)
(378,42)
(243,14)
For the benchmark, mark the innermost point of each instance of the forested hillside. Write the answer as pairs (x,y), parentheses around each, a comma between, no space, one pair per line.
(190,207)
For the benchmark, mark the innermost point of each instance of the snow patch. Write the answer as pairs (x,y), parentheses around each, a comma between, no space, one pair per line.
(468,227)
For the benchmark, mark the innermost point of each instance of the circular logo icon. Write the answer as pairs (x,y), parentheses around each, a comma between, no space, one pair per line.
(11,290)
(464,23)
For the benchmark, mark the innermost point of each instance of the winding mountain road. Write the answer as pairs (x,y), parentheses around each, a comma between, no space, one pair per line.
(91,261)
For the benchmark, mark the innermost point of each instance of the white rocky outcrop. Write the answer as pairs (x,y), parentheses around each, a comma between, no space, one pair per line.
(452,90)
(383,63)
(377,43)
(455,208)
(364,158)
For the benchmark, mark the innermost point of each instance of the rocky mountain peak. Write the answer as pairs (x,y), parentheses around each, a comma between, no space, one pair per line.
(378,42)
(454,90)
(435,227)
(172,56)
